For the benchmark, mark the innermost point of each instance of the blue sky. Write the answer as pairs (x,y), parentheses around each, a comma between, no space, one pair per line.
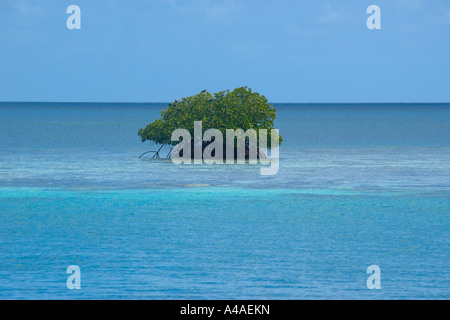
(288,50)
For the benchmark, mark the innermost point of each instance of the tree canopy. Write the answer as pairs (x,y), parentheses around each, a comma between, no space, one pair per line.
(237,109)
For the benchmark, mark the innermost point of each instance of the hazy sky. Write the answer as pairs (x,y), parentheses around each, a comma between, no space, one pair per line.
(288,50)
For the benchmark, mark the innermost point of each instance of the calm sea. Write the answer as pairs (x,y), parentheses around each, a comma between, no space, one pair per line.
(358,185)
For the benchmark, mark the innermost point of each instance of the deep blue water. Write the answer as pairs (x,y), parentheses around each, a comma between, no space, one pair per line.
(358,185)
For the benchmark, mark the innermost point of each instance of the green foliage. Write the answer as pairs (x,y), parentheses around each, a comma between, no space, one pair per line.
(237,109)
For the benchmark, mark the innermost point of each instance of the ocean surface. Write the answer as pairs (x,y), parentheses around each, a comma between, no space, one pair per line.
(358,185)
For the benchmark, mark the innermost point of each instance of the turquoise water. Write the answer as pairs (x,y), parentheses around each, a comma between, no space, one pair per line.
(358,185)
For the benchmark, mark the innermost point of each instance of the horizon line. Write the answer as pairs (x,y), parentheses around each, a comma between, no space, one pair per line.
(163,102)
